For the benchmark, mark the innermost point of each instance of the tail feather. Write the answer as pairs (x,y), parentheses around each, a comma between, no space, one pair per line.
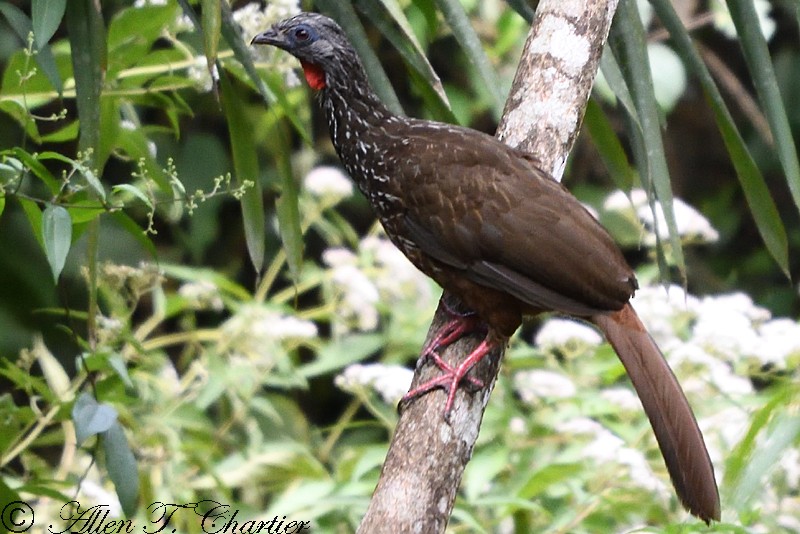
(673,421)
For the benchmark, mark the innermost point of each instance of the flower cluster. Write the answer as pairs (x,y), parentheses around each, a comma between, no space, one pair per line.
(377,274)
(254,19)
(255,331)
(691,224)
(390,381)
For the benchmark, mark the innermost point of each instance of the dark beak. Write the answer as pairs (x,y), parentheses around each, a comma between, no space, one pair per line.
(269,37)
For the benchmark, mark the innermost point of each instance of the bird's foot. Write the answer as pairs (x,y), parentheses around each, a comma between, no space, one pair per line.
(458,326)
(452,376)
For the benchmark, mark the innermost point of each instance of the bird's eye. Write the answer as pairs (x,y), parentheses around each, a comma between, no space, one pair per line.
(302,34)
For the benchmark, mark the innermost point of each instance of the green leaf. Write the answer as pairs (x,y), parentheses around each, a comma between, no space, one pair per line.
(130,226)
(609,146)
(245,164)
(34,215)
(121,467)
(69,132)
(18,112)
(765,213)
(405,41)
(87,37)
(759,63)
(22,26)
(91,418)
(765,439)
(46,16)
(57,237)
(287,205)
(2,203)
(135,191)
(464,33)
(38,169)
(335,356)
(523,9)
(629,42)
(212,22)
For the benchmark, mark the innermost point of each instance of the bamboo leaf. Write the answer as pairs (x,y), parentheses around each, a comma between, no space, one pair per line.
(245,164)
(628,39)
(759,63)
(608,145)
(56,237)
(523,9)
(464,33)
(212,23)
(46,16)
(405,41)
(87,37)
(765,213)
(287,206)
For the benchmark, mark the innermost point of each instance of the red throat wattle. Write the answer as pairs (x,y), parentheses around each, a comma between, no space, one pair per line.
(314,75)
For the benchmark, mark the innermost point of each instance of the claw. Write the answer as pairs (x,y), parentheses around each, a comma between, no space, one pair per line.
(452,376)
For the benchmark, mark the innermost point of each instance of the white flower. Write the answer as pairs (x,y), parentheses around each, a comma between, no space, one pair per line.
(536,385)
(607,447)
(725,325)
(690,223)
(99,496)
(558,332)
(396,276)
(255,331)
(790,465)
(327,181)
(391,382)
(143,3)
(624,398)
(723,430)
(358,296)
(580,426)
(660,308)
(724,22)
(202,295)
(706,370)
(780,339)
(253,19)
(334,257)
(200,75)
(518,425)
(669,76)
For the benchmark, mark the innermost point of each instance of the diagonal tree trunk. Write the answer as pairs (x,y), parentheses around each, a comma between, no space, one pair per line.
(543,113)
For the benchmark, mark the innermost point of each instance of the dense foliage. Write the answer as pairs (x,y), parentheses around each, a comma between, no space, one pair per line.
(196,306)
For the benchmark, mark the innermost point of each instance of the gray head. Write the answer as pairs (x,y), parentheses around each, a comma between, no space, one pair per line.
(321,46)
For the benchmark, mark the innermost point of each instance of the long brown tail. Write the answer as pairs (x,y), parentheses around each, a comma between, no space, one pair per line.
(673,422)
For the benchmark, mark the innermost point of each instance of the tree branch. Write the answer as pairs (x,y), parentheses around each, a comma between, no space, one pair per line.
(543,113)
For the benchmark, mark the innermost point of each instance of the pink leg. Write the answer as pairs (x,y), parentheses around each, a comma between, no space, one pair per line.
(460,325)
(452,376)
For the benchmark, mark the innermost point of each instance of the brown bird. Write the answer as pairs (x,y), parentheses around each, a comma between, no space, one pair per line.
(492,228)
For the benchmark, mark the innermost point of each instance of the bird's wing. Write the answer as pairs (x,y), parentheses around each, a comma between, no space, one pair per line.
(476,205)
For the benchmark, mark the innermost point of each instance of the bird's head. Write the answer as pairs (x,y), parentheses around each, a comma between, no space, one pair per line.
(317,41)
